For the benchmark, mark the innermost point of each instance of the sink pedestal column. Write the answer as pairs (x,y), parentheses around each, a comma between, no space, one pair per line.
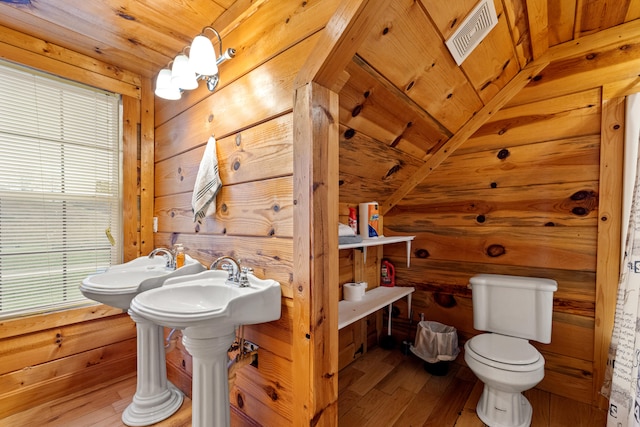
(210,389)
(156,398)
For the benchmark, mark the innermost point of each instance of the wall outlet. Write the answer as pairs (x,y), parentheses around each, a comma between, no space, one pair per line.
(155,224)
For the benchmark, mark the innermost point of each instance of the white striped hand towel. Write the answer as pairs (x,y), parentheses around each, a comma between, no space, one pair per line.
(207,183)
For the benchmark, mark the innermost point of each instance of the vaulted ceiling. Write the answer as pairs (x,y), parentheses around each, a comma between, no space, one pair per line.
(142,36)
(402,87)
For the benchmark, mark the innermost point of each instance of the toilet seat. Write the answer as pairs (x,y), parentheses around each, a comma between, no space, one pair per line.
(504,352)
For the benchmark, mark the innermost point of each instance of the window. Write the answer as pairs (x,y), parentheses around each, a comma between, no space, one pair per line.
(59,189)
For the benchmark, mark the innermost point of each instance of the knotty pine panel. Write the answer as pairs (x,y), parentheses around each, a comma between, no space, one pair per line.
(516,11)
(263,94)
(18,380)
(575,294)
(383,163)
(374,107)
(255,408)
(28,324)
(269,257)
(537,164)
(64,385)
(584,71)
(76,349)
(43,346)
(386,168)
(278,332)
(572,116)
(561,14)
(594,16)
(492,64)
(270,382)
(417,61)
(567,204)
(273,28)
(571,336)
(259,152)
(261,208)
(573,376)
(359,189)
(346,266)
(43,55)
(543,247)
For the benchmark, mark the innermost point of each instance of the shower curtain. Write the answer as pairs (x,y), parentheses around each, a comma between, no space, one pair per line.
(622,379)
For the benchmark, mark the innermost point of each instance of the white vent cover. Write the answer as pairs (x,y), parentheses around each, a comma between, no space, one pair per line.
(472,30)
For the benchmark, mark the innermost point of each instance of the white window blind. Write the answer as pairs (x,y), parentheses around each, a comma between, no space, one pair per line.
(59,189)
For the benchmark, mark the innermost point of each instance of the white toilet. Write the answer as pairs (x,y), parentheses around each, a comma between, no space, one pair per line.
(514,309)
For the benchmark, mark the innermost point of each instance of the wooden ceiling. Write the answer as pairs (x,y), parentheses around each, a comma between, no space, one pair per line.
(402,89)
(142,36)
(406,93)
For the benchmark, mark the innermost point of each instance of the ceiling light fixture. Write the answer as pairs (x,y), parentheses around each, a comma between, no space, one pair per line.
(186,71)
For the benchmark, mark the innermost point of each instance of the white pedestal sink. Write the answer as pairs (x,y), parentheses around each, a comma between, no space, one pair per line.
(209,310)
(156,398)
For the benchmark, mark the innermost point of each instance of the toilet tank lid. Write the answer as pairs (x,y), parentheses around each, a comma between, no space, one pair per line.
(514,281)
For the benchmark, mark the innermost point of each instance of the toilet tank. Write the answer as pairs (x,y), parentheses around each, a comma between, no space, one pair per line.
(513,305)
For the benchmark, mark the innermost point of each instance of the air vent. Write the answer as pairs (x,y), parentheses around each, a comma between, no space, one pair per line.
(472,30)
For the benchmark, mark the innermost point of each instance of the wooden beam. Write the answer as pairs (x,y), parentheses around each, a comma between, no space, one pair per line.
(465,132)
(341,38)
(315,248)
(627,33)
(609,225)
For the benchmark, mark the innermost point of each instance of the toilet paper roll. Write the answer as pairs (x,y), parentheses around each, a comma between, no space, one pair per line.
(354,291)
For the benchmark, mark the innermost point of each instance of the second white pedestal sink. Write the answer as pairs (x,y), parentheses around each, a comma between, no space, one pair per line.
(155,399)
(209,310)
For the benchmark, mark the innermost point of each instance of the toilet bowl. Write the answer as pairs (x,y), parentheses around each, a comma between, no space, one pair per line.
(507,366)
(511,310)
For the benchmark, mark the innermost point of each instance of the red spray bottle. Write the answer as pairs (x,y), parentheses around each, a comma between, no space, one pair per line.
(387,274)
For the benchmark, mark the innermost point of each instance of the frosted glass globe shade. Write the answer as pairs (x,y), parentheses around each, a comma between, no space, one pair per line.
(164,88)
(182,75)
(202,56)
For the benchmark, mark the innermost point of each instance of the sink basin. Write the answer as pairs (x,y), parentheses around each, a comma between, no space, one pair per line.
(209,310)
(119,284)
(156,398)
(204,299)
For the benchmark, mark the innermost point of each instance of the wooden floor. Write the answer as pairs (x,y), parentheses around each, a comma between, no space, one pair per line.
(384,388)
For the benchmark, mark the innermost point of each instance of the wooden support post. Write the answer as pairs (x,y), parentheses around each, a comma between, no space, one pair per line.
(315,247)
(608,255)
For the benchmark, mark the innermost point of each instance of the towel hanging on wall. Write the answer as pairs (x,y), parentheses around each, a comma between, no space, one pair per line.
(207,183)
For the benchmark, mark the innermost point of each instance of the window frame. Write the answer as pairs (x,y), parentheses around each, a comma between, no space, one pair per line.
(120,236)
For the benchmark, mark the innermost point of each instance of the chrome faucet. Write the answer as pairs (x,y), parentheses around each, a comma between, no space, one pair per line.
(169,255)
(237,274)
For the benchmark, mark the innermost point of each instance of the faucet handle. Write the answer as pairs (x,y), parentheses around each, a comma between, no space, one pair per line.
(244,280)
(228,267)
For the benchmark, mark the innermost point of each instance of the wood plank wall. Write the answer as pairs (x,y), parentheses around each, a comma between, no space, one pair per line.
(534,192)
(520,197)
(250,115)
(46,356)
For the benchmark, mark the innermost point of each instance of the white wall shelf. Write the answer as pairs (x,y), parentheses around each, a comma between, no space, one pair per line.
(382,240)
(372,301)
